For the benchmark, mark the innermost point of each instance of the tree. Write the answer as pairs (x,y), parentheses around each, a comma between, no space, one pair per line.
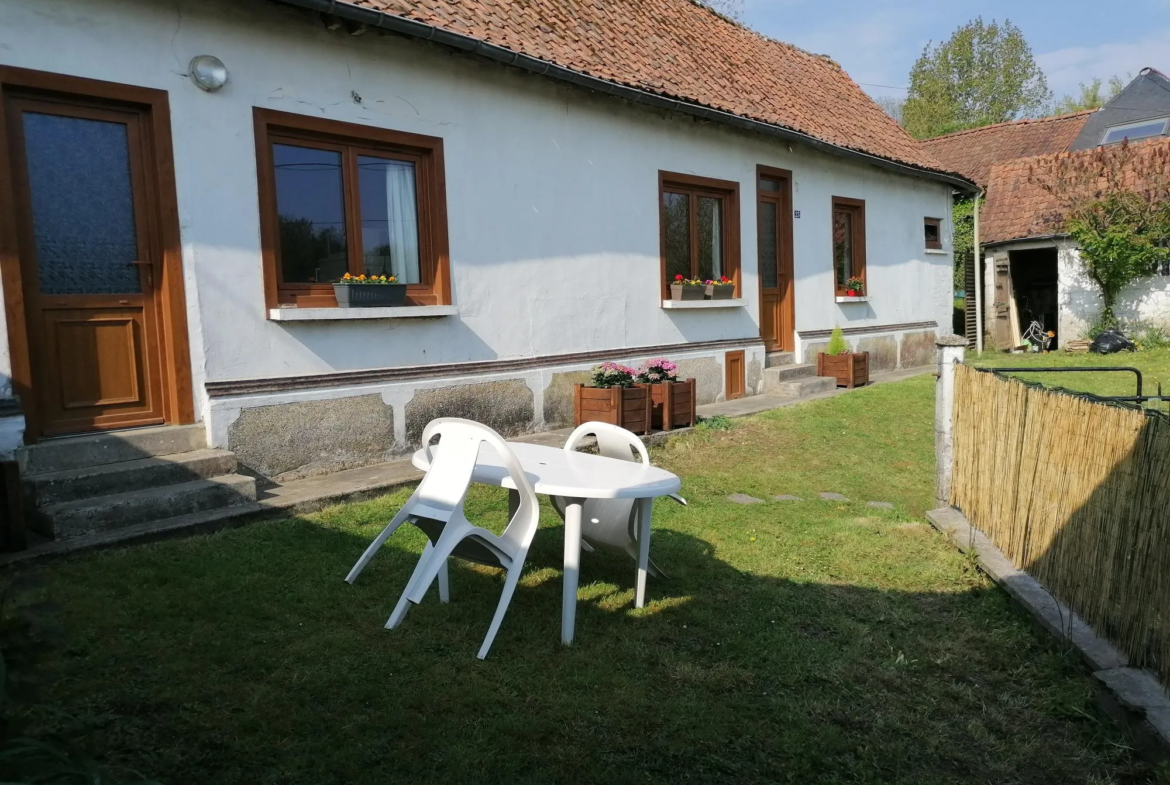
(1114,202)
(732,9)
(983,74)
(1091,96)
(963,242)
(892,106)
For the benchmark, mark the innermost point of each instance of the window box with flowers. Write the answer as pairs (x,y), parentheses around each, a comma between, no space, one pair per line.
(688,288)
(672,402)
(375,291)
(721,289)
(613,398)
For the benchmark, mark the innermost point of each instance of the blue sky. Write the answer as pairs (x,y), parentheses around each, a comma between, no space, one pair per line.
(878,42)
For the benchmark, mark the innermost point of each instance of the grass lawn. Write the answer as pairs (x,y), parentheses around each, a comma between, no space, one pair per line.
(799,642)
(1153,363)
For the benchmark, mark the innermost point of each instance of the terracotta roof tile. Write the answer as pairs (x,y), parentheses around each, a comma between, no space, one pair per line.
(684,51)
(972,153)
(1017,209)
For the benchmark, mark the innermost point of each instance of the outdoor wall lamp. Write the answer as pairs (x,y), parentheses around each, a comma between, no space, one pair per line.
(208,72)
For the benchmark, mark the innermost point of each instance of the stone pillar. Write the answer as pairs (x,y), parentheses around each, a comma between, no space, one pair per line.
(950,351)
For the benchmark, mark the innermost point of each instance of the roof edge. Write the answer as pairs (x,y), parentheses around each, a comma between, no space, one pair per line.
(426,32)
(1023,121)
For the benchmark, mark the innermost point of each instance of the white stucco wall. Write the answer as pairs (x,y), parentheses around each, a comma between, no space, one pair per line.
(551,192)
(1146,301)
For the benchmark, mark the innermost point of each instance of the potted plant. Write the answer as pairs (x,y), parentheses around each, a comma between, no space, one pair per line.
(687,288)
(613,398)
(672,402)
(855,287)
(374,291)
(851,369)
(722,289)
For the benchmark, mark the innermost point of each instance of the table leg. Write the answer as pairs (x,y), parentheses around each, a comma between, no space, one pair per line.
(645,507)
(572,567)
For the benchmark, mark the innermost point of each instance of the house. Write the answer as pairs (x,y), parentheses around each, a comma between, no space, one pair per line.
(1028,272)
(180,183)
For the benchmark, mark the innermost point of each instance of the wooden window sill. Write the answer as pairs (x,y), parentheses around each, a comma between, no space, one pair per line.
(937,251)
(844,298)
(359,314)
(735,302)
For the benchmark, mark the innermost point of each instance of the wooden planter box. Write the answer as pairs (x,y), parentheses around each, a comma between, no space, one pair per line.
(672,404)
(851,370)
(626,407)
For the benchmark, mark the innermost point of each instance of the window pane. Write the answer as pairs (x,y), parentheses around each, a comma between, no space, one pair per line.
(1140,131)
(932,235)
(710,221)
(767,245)
(82,205)
(769,185)
(389,218)
(310,205)
(842,246)
(676,213)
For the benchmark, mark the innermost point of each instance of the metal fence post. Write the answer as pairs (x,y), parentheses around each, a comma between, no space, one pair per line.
(950,351)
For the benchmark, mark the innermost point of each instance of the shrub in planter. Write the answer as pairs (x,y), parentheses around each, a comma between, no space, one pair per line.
(375,291)
(672,402)
(855,287)
(722,289)
(687,288)
(851,369)
(613,398)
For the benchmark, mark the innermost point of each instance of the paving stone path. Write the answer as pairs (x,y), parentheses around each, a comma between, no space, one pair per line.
(743,498)
(880,505)
(834,497)
(786,498)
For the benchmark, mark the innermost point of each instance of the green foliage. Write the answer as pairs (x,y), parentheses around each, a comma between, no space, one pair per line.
(1119,241)
(837,343)
(963,221)
(1091,96)
(1146,336)
(719,422)
(983,74)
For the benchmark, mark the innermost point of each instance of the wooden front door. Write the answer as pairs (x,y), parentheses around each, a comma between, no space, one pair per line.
(89,255)
(774,250)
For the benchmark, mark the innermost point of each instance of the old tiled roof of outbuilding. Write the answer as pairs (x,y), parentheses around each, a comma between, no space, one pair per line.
(1019,208)
(680,50)
(972,153)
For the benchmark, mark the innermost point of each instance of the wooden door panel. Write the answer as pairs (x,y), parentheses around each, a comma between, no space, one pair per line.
(97,357)
(734,369)
(774,255)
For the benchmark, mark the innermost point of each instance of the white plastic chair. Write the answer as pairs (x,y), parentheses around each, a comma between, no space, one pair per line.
(436,507)
(615,523)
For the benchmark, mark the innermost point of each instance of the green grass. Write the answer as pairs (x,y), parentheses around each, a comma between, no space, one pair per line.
(1153,363)
(800,642)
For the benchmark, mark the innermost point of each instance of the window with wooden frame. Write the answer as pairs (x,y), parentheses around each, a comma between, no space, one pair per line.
(848,242)
(339,198)
(699,225)
(932,231)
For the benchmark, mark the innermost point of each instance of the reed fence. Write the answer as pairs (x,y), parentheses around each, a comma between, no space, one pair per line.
(1077,493)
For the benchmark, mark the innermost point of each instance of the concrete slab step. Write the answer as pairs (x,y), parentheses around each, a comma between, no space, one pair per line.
(76,452)
(774,359)
(786,373)
(111,478)
(802,387)
(103,513)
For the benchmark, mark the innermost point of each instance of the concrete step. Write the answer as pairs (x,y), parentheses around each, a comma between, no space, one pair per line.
(103,513)
(112,478)
(786,373)
(802,387)
(774,359)
(76,452)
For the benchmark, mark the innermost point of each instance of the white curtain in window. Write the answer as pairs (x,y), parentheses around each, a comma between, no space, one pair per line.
(402,221)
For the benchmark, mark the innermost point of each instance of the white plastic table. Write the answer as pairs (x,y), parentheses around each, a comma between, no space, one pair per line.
(577,476)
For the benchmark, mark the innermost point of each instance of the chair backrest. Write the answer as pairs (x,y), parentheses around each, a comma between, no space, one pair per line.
(612,441)
(452,465)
